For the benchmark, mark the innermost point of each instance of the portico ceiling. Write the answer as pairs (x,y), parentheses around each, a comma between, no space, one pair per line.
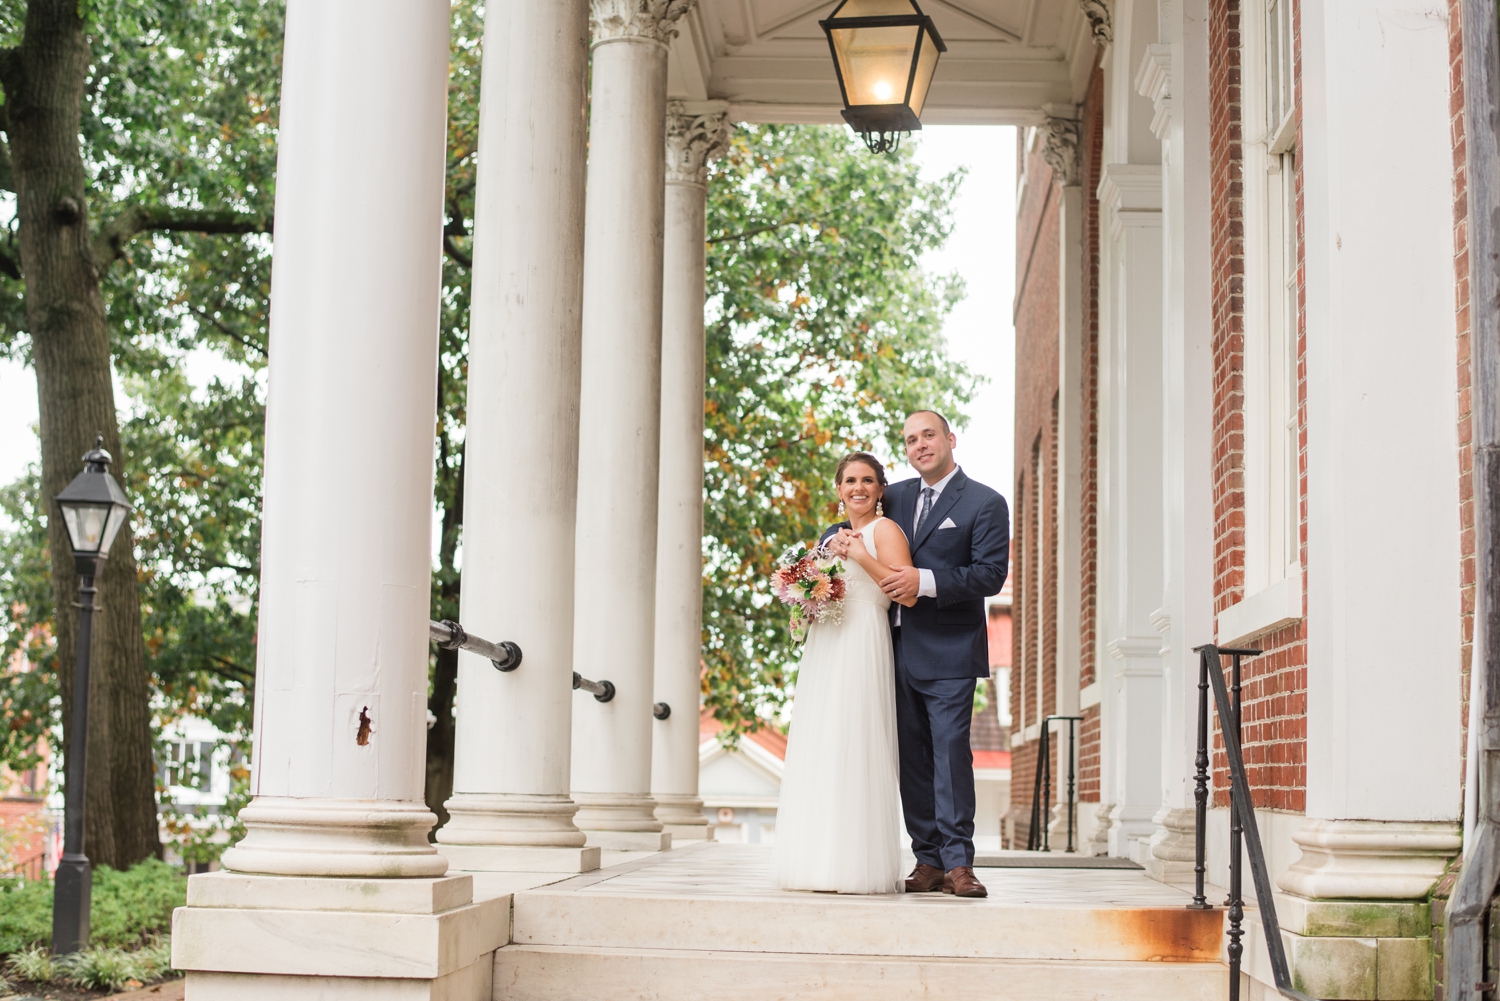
(1007,60)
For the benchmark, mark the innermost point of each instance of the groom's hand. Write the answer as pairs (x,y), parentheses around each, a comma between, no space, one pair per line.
(902,585)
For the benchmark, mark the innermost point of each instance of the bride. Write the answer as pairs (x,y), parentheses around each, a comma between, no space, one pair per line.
(838,824)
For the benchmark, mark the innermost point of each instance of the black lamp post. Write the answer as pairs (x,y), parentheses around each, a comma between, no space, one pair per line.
(885,52)
(93,509)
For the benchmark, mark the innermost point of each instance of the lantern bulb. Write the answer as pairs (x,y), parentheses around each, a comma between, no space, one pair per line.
(883,90)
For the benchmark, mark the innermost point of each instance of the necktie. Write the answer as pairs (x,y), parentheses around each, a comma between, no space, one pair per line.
(927,495)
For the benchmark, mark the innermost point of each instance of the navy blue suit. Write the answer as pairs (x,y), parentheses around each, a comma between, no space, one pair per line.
(941,648)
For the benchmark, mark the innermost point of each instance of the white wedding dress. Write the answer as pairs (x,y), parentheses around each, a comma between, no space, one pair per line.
(838,822)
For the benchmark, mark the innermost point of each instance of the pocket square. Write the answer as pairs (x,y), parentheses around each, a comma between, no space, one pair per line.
(947,523)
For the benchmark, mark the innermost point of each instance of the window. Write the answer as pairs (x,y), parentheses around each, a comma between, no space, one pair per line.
(1269,120)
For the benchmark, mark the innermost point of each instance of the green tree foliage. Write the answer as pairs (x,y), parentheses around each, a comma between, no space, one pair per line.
(823,332)
(179,142)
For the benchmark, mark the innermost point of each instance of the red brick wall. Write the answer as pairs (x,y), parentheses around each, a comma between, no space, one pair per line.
(1275,683)
(1467,566)
(1035,598)
(1091,152)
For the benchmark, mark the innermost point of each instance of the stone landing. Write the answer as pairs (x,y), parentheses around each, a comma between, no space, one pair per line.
(702,922)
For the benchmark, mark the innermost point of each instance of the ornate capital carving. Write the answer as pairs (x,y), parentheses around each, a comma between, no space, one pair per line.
(1060,149)
(696,133)
(652,20)
(1097,11)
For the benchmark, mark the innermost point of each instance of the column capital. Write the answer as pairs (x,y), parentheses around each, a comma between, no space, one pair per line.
(1060,137)
(1097,12)
(697,132)
(647,20)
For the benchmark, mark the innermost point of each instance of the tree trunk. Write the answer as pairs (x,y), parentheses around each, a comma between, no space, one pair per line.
(43,81)
(440,736)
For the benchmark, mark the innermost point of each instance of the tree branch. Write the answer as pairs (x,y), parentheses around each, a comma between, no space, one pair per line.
(756,231)
(115,235)
(455,228)
(222,328)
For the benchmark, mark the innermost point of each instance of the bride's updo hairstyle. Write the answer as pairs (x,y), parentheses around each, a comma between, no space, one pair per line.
(868,460)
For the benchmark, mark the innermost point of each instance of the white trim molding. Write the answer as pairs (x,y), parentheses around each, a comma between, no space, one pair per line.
(1265,611)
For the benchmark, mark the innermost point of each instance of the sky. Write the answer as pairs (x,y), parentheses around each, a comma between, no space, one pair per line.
(979,330)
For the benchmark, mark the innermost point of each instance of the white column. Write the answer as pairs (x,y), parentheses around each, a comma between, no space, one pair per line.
(1381,452)
(510,807)
(341,682)
(341,693)
(620,420)
(1130,207)
(1175,77)
(695,133)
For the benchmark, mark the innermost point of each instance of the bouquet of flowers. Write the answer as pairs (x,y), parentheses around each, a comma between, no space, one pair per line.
(812,584)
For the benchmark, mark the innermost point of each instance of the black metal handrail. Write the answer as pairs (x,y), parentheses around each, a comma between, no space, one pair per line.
(603,691)
(1243,832)
(1039,838)
(505,655)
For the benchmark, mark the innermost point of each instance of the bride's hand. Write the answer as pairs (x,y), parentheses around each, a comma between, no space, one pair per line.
(850,540)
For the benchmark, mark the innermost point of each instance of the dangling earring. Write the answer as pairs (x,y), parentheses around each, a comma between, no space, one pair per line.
(880,509)
(841,509)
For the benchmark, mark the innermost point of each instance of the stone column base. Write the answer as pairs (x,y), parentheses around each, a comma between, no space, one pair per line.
(1093,828)
(630,841)
(247,936)
(520,858)
(1174,846)
(1354,916)
(689,832)
(286,836)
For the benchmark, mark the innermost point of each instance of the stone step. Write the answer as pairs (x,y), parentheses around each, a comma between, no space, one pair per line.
(906,926)
(592,973)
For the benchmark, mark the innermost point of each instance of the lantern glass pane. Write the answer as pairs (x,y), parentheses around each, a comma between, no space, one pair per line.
(112,527)
(86,525)
(875,62)
(922,79)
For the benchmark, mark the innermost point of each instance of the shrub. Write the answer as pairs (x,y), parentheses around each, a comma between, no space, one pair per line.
(35,964)
(108,968)
(25,914)
(132,906)
(128,908)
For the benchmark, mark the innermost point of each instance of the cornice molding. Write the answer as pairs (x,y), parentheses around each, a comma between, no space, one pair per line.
(642,20)
(1153,79)
(697,132)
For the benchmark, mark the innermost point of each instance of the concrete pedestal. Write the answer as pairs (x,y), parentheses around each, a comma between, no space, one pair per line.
(252,937)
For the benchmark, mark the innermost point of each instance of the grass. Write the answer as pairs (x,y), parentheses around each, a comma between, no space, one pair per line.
(128,908)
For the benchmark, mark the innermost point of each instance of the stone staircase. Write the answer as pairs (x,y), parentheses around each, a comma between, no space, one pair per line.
(702,923)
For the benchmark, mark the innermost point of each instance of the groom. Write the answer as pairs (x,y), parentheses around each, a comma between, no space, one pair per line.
(959,531)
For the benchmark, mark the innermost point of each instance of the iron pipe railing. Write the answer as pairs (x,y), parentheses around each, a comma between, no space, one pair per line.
(505,655)
(603,691)
(661,710)
(1039,838)
(1244,835)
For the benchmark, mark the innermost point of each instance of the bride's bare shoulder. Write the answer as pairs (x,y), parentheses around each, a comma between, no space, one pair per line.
(888,533)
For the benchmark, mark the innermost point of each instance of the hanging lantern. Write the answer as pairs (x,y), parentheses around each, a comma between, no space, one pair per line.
(885,52)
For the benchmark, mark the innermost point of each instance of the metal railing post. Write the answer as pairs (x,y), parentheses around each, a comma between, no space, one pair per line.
(1072,767)
(1046,759)
(1200,792)
(1236,899)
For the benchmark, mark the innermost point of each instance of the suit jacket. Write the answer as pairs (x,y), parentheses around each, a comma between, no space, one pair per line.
(947,636)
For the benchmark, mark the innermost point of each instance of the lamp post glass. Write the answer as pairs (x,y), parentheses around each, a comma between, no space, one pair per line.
(93,508)
(885,53)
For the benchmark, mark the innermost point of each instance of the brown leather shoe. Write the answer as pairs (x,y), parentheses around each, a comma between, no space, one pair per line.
(924,879)
(962,882)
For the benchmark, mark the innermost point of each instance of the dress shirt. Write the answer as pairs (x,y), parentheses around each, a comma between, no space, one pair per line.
(926,582)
